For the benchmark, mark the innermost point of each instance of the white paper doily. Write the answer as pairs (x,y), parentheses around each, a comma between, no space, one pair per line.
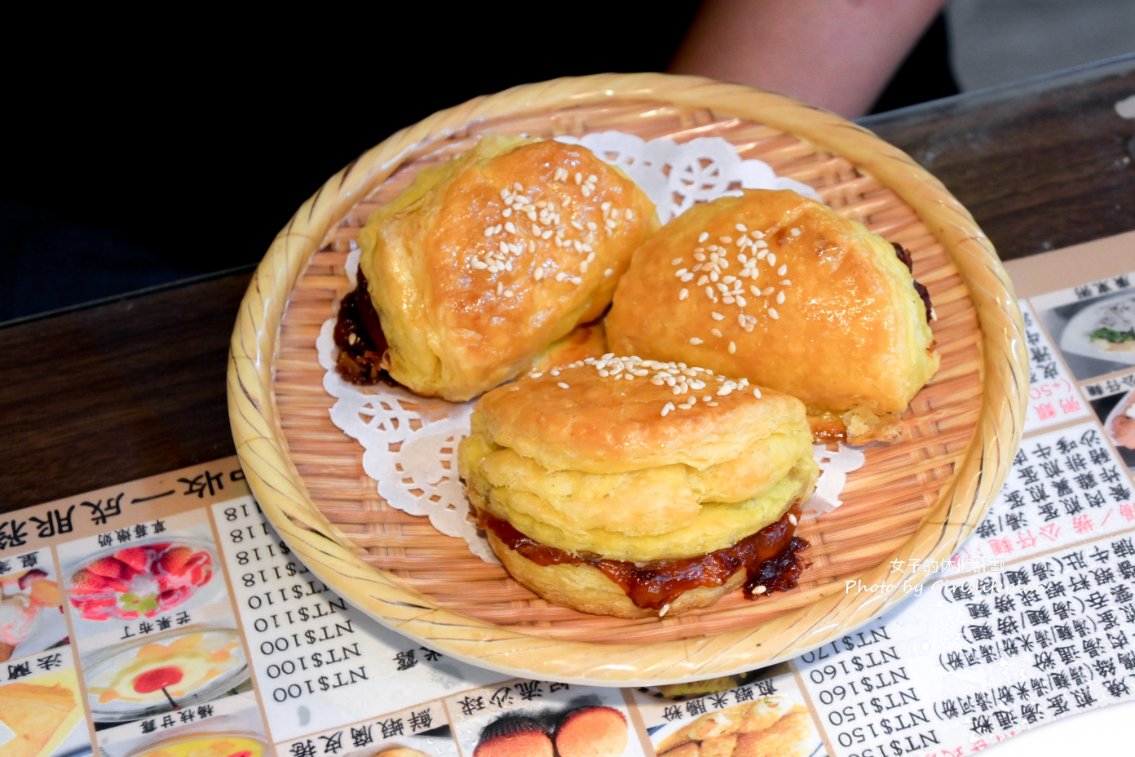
(410,442)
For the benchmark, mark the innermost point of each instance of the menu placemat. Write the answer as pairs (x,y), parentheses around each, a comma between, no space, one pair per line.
(165,616)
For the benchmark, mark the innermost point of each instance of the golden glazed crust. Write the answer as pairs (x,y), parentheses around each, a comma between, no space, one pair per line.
(621,414)
(788,293)
(486,260)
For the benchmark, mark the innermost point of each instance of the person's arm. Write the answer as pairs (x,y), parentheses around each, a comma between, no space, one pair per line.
(837,54)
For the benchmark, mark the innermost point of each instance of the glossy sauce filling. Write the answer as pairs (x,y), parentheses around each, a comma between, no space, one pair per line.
(770,558)
(908,261)
(359,337)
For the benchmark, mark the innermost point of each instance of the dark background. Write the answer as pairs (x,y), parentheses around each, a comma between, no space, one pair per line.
(134,159)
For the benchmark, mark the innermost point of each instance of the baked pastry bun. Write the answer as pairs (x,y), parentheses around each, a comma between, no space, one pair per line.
(485,260)
(788,293)
(629,487)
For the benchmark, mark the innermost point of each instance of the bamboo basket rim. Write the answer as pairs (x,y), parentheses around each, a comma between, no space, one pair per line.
(280,490)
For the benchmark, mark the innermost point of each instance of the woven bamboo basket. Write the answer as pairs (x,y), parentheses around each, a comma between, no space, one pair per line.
(917,499)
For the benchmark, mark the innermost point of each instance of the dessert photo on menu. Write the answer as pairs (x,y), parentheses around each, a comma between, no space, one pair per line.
(229,727)
(153,622)
(31,606)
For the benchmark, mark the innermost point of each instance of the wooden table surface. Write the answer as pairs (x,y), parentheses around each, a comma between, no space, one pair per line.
(136,386)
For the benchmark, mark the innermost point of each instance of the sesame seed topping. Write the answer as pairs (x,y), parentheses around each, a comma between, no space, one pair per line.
(760,590)
(726,271)
(732,348)
(524,223)
(692,384)
(695,340)
(792,519)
